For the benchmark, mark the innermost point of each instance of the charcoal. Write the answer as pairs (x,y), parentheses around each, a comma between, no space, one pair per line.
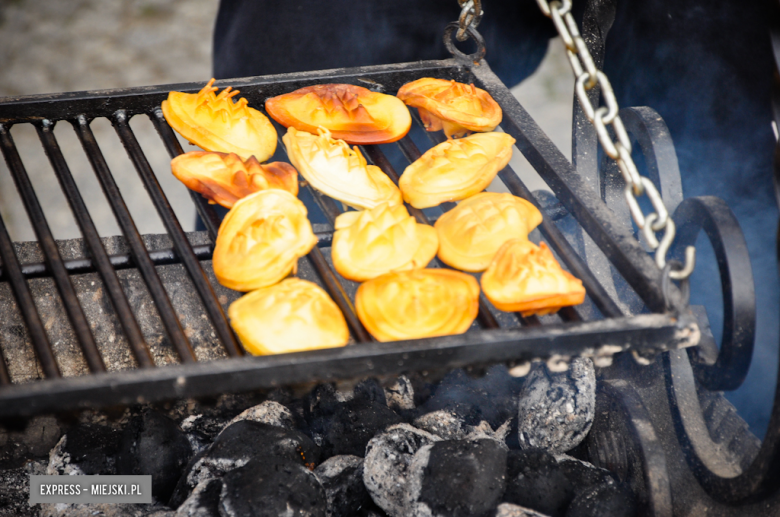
(353,424)
(238,444)
(388,465)
(489,398)
(400,394)
(153,444)
(535,480)
(15,489)
(370,390)
(463,477)
(583,474)
(513,510)
(269,412)
(319,407)
(609,498)
(33,439)
(93,448)
(342,479)
(245,440)
(555,410)
(85,450)
(272,487)
(203,502)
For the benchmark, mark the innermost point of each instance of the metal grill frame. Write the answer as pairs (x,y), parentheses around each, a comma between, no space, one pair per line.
(646,335)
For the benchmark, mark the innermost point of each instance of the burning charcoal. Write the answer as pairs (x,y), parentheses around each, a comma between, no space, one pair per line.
(610,499)
(152,444)
(386,470)
(272,487)
(489,398)
(535,480)
(556,409)
(400,394)
(462,478)
(342,479)
(240,443)
(85,450)
(271,413)
(204,501)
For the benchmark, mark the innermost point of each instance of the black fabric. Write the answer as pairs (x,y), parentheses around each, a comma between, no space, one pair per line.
(271,37)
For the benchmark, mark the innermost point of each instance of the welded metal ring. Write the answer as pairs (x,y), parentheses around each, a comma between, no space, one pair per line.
(712,215)
(476,36)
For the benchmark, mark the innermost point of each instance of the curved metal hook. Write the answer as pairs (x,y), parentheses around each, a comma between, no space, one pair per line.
(713,215)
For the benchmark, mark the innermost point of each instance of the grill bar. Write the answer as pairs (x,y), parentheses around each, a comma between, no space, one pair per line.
(180,242)
(139,256)
(24,300)
(338,294)
(646,333)
(207,213)
(116,294)
(51,254)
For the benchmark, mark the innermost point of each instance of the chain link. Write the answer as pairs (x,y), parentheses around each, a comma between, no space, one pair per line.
(470,16)
(588,77)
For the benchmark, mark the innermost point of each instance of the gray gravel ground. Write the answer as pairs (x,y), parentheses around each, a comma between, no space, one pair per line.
(49,46)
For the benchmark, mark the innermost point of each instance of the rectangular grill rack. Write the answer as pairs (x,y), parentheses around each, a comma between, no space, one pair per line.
(600,333)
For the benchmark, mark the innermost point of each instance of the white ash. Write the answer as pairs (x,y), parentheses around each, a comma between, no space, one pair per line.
(556,410)
(269,412)
(388,464)
(207,468)
(59,461)
(442,423)
(449,426)
(400,394)
(513,510)
(334,465)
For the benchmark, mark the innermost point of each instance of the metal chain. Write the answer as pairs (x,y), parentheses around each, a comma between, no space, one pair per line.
(587,77)
(470,16)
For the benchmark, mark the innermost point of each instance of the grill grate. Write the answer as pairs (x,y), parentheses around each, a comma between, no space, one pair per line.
(495,337)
